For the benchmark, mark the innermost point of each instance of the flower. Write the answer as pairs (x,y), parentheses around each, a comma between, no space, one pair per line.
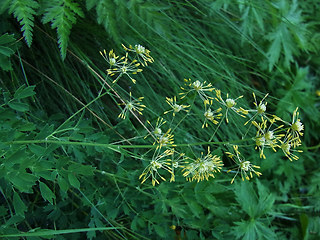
(176,162)
(131,105)
(246,168)
(230,104)
(156,130)
(295,129)
(265,137)
(210,115)
(175,107)
(165,139)
(260,108)
(202,167)
(199,87)
(111,58)
(158,162)
(287,146)
(123,67)
(141,52)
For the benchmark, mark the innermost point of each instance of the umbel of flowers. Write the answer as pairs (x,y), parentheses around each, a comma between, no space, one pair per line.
(163,161)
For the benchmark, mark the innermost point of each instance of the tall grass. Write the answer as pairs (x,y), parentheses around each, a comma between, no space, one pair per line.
(75,169)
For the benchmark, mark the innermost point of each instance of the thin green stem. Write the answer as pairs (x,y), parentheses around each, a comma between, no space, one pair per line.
(215,131)
(50,232)
(192,104)
(93,206)
(311,148)
(104,83)
(74,97)
(73,115)
(118,147)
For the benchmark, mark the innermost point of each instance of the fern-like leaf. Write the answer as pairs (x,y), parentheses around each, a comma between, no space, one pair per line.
(106,16)
(24,11)
(91,3)
(62,14)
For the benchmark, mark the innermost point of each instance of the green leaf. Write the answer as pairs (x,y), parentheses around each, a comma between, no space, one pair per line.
(3,211)
(195,208)
(81,169)
(15,158)
(26,127)
(304,222)
(91,235)
(24,11)
(63,184)
(265,201)
(246,196)
(160,231)
(73,180)
(91,3)
(23,181)
(314,225)
(62,15)
(45,132)
(12,221)
(24,92)
(7,39)
(134,223)
(5,63)
(274,51)
(46,192)
(37,150)
(106,16)
(264,230)
(19,206)
(4,6)
(6,51)
(245,230)
(19,106)
(288,35)
(252,17)
(51,232)
(178,208)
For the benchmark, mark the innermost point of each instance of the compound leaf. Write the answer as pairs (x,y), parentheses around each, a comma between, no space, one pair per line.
(24,11)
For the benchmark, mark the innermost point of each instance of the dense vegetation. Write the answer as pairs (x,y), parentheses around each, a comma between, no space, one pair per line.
(149,119)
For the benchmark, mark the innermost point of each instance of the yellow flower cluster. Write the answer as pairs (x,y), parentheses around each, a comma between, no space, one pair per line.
(286,136)
(123,66)
(167,157)
(246,168)
(131,105)
(199,169)
(158,162)
(202,167)
(142,53)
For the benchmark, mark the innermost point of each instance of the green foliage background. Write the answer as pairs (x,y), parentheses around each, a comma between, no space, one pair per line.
(48,50)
